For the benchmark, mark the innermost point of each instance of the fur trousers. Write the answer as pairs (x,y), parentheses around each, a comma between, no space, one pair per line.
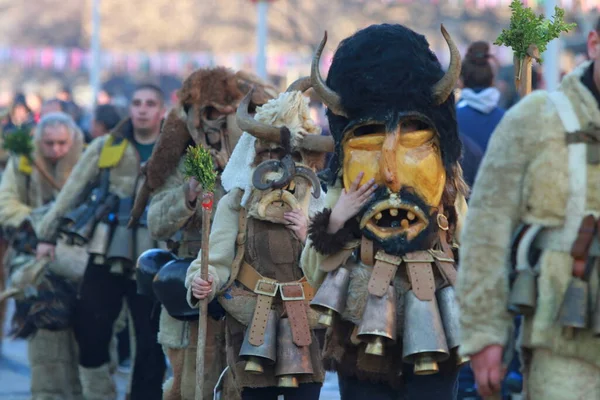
(54,366)
(552,377)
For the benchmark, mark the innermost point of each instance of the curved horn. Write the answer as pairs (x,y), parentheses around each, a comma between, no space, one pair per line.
(253,127)
(445,86)
(310,175)
(329,97)
(300,84)
(260,172)
(324,144)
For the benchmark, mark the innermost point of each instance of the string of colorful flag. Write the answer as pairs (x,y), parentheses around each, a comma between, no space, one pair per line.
(75,59)
(570,5)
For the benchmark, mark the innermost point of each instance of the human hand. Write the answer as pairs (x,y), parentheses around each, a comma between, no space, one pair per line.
(201,288)
(298,223)
(45,250)
(194,190)
(488,369)
(350,203)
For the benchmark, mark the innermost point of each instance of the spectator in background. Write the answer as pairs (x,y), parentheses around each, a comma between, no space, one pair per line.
(51,106)
(103,98)
(34,102)
(477,111)
(106,118)
(20,115)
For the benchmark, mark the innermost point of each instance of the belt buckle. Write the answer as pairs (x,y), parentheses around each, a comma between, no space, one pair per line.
(292,298)
(266,292)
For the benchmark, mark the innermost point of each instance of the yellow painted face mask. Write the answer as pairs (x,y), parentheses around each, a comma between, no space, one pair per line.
(403,159)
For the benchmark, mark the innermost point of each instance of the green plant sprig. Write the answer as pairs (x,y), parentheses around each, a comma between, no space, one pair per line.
(198,164)
(18,142)
(526,29)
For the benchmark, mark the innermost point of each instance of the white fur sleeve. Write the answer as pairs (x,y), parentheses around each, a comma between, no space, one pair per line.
(222,246)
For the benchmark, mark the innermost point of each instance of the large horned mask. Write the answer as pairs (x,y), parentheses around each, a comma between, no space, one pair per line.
(394,122)
(283,176)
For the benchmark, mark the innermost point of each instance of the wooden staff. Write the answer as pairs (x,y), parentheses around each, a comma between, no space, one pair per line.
(523,71)
(207,204)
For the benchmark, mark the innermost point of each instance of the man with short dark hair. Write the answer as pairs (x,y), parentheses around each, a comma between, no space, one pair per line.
(112,164)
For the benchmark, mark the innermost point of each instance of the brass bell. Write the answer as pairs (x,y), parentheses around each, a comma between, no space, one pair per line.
(448,306)
(378,325)
(255,356)
(596,316)
(143,240)
(120,250)
(73,216)
(81,231)
(522,298)
(331,296)
(574,309)
(424,342)
(99,243)
(292,360)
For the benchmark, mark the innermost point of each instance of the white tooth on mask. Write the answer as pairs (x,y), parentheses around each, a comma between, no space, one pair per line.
(404,223)
(378,216)
(394,212)
(410,215)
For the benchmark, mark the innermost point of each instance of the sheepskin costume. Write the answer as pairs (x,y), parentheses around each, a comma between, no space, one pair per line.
(169,213)
(524,178)
(289,109)
(24,194)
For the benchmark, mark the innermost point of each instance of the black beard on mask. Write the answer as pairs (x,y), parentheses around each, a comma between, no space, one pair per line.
(400,245)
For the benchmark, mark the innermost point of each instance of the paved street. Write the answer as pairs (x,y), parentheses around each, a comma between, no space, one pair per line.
(14,375)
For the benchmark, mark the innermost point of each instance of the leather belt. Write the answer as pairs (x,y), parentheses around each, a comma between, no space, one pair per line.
(384,271)
(294,295)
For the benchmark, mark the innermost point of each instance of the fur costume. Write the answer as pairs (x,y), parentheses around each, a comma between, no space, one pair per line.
(524,178)
(269,246)
(52,353)
(122,183)
(170,213)
(391,113)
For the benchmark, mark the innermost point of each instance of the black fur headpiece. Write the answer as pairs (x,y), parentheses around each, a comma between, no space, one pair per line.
(385,72)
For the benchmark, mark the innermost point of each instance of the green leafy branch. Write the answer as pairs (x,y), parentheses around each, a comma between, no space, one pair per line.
(526,29)
(19,142)
(198,164)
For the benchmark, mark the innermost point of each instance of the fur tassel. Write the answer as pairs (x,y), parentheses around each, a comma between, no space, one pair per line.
(326,243)
(168,150)
(141,200)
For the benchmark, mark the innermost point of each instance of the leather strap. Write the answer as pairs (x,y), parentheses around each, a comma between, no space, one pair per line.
(366,251)
(239,251)
(445,265)
(295,306)
(250,277)
(420,274)
(258,325)
(383,273)
(334,261)
(581,246)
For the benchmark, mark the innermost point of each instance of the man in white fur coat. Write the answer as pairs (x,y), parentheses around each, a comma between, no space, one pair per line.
(541,170)
(24,196)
